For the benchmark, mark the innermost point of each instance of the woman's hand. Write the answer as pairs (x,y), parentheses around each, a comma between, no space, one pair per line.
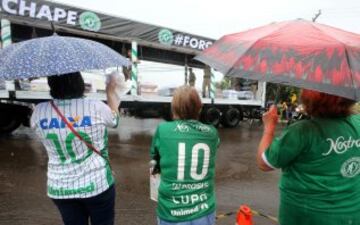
(113,99)
(111,83)
(270,120)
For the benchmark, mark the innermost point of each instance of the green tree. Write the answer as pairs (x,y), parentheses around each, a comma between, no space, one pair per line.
(225,83)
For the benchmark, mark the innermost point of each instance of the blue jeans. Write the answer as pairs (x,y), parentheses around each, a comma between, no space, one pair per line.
(100,209)
(205,220)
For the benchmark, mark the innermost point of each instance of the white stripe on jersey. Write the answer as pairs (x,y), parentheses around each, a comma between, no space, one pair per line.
(74,171)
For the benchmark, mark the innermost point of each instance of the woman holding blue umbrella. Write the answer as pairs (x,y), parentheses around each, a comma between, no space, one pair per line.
(73,130)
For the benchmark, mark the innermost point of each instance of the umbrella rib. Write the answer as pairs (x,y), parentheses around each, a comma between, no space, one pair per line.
(346,55)
(329,34)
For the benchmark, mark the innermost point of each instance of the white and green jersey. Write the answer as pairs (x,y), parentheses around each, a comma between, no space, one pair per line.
(74,170)
(186,151)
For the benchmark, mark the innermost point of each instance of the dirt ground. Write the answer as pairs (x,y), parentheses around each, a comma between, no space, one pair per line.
(23,199)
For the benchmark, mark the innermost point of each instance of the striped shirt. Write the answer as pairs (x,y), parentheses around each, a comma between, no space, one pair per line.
(74,170)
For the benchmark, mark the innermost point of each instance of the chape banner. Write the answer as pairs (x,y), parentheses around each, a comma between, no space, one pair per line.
(38,12)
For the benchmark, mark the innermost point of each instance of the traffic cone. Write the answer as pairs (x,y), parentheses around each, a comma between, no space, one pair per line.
(244,216)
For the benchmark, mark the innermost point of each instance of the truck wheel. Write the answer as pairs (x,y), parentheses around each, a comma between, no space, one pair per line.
(231,118)
(212,116)
(8,123)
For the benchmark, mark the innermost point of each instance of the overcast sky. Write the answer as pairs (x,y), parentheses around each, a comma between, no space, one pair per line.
(216,18)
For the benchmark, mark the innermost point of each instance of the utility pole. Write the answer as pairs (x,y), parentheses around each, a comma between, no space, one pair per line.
(186,71)
(316,15)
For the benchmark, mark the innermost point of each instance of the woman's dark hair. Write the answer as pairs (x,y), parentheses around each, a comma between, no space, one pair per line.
(67,86)
(324,105)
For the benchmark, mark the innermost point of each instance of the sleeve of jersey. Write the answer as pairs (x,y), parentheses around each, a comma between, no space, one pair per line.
(110,118)
(284,149)
(154,149)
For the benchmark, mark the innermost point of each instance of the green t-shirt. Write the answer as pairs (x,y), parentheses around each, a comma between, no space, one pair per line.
(186,150)
(320,162)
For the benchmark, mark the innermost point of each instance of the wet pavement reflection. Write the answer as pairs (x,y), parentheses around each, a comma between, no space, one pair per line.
(23,161)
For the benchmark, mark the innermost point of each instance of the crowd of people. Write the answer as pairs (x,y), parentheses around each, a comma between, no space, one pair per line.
(319,158)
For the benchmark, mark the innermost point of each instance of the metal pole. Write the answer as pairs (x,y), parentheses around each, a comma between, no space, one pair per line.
(5,33)
(186,71)
(262,89)
(316,15)
(134,70)
(212,86)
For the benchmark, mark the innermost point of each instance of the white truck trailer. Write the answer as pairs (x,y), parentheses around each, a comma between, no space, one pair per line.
(26,19)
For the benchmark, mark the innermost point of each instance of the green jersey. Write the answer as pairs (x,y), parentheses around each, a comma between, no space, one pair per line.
(185,151)
(320,162)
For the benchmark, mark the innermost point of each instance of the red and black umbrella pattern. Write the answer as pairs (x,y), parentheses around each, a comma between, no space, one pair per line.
(297,53)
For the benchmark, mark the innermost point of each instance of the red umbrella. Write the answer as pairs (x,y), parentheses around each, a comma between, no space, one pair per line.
(296,53)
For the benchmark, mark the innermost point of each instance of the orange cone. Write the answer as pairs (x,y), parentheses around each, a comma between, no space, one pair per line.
(244,216)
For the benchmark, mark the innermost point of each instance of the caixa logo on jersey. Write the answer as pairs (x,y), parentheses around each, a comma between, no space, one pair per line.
(42,11)
(55,123)
(167,37)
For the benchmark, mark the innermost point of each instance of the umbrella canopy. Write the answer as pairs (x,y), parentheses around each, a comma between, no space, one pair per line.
(295,53)
(56,55)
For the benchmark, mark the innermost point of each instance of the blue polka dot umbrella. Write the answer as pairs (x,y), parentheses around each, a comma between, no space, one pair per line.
(56,55)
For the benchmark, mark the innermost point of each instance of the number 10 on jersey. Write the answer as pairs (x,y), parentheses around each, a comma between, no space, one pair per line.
(194,174)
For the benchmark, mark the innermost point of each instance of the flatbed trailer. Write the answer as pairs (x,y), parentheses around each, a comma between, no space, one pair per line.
(28,19)
(16,108)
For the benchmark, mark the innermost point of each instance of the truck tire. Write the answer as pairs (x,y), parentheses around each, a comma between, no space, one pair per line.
(211,116)
(231,118)
(8,123)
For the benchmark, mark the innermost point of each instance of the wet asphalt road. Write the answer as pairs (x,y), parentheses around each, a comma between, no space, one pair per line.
(23,199)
